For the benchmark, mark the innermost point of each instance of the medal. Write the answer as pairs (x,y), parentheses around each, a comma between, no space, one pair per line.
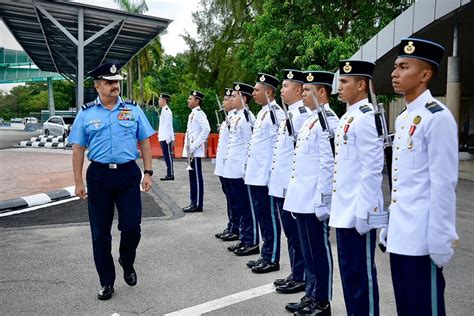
(411,131)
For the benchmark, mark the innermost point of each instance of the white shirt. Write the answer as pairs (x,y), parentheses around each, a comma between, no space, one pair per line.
(238,146)
(224,134)
(313,165)
(424,177)
(197,131)
(284,150)
(357,187)
(165,130)
(261,145)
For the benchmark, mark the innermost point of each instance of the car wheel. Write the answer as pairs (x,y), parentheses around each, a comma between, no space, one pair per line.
(46,132)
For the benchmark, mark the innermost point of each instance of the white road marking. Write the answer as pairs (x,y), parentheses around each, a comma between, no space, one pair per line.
(26,210)
(224,301)
(37,199)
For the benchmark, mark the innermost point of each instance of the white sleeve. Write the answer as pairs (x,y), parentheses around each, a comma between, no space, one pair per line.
(326,160)
(170,125)
(443,160)
(205,129)
(371,158)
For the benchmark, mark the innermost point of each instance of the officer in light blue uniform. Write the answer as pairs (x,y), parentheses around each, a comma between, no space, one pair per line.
(110,129)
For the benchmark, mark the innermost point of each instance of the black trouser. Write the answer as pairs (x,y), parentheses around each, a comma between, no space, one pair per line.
(107,188)
(196,183)
(234,222)
(166,149)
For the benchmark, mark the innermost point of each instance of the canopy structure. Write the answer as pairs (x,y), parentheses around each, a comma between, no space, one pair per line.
(73,38)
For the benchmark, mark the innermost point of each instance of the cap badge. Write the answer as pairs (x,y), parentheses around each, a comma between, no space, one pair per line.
(262,78)
(227,92)
(409,49)
(290,75)
(113,69)
(347,68)
(310,77)
(237,87)
(194,93)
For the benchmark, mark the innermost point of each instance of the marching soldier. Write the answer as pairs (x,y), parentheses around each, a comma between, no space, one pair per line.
(421,230)
(357,189)
(110,129)
(258,171)
(166,134)
(231,232)
(234,172)
(309,194)
(194,148)
(283,152)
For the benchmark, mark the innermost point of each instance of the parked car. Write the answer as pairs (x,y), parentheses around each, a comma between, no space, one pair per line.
(29,120)
(58,125)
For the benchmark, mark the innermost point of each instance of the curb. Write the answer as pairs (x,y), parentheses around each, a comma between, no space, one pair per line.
(37,199)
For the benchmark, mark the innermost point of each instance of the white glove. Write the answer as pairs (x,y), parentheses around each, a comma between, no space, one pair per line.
(168,141)
(322,212)
(362,226)
(442,260)
(383,236)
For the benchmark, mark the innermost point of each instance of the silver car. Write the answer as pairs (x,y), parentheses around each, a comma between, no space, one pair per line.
(58,125)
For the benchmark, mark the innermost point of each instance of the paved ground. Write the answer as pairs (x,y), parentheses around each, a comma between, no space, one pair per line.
(49,269)
(11,137)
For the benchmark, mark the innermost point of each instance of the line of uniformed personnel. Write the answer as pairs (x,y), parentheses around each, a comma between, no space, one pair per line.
(300,167)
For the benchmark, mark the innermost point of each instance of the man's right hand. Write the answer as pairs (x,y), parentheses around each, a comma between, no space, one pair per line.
(80,191)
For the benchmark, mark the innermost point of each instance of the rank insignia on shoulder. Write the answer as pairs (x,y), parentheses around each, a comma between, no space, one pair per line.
(365,108)
(302,109)
(433,107)
(88,105)
(198,109)
(329,113)
(130,102)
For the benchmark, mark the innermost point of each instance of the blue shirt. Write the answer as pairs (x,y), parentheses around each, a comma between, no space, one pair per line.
(110,135)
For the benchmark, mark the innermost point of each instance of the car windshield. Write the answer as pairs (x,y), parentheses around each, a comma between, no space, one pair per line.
(68,120)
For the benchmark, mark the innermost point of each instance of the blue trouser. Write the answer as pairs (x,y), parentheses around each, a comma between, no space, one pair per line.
(166,149)
(234,222)
(106,189)
(418,285)
(241,208)
(269,222)
(316,249)
(290,228)
(196,183)
(358,271)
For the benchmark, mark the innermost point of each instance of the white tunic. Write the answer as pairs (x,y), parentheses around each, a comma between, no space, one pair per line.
(224,134)
(357,187)
(424,177)
(165,130)
(284,150)
(197,131)
(313,166)
(238,146)
(261,146)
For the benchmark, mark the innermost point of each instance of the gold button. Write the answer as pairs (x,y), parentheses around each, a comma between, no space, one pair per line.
(338,135)
(398,147)
(334,181)
(394,190)
(273,161)
(273,168)
(334,190)
(396,158)
(335,162)
(335,171)
(402,127)
(395,179)
(395,169)
(337,144)
(399,137)
(292,177)
(394,200)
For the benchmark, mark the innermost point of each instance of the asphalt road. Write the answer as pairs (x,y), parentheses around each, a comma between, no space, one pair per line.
(10,138)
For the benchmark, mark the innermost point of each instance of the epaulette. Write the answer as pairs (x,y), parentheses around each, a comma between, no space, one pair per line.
(329,113)
(198,109)
(131,102)
(433,107)
(302,109)
(365,108)
(276,107)
(88,105)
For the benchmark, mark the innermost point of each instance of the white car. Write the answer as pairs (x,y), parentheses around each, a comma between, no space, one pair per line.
(58,125)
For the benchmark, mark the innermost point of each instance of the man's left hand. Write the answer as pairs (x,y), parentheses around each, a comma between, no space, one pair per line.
(146,183)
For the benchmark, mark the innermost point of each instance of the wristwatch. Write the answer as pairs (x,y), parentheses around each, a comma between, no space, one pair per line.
(150,172)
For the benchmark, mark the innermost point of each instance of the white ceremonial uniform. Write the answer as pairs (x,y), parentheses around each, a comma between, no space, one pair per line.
(224,134)
(284,150)
(261,146)
(238,146)
(424,178)
(165,130)
(197,131)
(357,187)
(313,166)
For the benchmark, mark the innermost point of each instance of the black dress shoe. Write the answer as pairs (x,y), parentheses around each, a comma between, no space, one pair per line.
(315,308)
(265,267)
(236,246)
(193,209)
(247,251)
(291,287)
(105,292)
(219,235)
(129,275)
(167,178)
(294,307)
(230,237)
(279,282)
(186,208)
(253,263)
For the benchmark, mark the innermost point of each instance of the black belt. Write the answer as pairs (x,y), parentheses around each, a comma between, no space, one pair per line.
(113,165)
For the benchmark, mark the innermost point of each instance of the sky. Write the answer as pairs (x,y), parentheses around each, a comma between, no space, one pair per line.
(177,10)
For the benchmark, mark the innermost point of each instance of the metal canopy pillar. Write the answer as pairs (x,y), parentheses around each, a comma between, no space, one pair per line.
(51,108)
(80,60)
(453,84)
